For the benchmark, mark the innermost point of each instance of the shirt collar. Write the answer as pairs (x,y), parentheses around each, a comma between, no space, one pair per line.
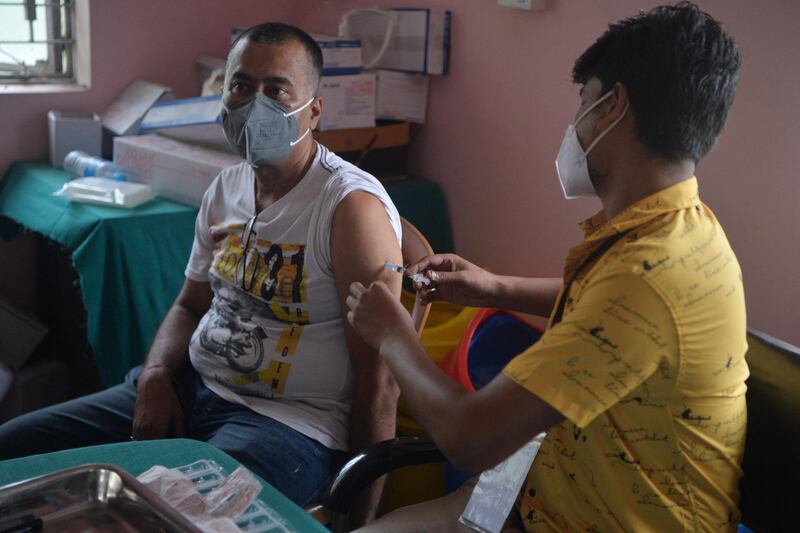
(682,195)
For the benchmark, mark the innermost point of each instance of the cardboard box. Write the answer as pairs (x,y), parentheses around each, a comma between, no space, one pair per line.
(125,113)
(175,170)
(340,56)
(20,334)
(401,96)
(193,120)
(73,130)
(420,40)
(348,101)
(420,43)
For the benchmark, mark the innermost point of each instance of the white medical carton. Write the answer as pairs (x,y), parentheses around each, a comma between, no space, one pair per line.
(348,101)
(73,130)
(401,96)
(193,120)
(175,170)
(340,55)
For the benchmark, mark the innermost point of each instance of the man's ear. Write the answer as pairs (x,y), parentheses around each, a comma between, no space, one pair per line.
(316,111)
(613,107)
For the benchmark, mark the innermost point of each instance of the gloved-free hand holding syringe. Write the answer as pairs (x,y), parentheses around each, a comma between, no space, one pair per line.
(416,278)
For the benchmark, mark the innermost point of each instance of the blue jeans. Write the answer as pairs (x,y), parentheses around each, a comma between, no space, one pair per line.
(296,465)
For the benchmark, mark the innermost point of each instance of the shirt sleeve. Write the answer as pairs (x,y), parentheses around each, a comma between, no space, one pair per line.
(612,338)
(203,245)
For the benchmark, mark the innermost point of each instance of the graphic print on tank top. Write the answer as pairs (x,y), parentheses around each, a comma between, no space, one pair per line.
(264,282)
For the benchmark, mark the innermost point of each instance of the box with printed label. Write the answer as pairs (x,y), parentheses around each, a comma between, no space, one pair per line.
(194,120)
(418,39)
(348,101)
(339,55)
(175,170)
(401,96)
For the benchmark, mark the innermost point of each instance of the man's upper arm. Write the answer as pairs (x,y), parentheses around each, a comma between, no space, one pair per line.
(362,240)
(611,341)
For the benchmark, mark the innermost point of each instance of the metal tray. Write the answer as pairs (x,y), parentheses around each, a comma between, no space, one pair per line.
(89,498)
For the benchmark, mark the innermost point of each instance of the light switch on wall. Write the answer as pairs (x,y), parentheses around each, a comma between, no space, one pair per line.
(527,5)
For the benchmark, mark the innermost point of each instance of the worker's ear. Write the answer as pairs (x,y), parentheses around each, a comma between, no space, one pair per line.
(613,107)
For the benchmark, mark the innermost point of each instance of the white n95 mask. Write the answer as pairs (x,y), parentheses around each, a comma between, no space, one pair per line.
(261,130)
(571,166)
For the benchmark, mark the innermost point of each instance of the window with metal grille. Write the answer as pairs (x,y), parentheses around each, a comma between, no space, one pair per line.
(37,43)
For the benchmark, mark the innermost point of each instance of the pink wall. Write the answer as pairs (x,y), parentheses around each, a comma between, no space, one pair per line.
(496,121)
(149,39)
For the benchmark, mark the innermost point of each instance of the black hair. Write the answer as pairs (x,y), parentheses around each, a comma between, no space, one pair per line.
(280,33)
(679,67)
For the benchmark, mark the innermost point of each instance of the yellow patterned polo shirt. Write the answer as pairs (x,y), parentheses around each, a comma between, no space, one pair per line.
(647,366)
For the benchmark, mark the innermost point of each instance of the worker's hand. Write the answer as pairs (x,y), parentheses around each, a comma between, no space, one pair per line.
(157,413)
(377,315)
(454,279)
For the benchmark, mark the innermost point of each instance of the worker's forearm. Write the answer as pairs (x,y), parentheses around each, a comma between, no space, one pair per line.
(535,296)
(434,398)
(171,342)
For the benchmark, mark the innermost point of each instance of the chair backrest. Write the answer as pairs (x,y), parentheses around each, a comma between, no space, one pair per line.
(415,246)
(769,487)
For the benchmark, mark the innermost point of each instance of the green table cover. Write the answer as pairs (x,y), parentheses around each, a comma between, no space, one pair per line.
(136,457)
(130,262)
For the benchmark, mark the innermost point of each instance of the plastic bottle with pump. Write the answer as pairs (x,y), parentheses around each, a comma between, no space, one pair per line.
(82,164)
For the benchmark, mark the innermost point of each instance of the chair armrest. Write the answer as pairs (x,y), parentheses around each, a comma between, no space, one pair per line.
(375,461)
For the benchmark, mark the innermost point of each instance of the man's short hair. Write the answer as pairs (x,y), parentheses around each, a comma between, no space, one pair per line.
(680,69)
(280,33)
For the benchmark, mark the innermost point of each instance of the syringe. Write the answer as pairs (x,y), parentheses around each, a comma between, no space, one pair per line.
(416,278)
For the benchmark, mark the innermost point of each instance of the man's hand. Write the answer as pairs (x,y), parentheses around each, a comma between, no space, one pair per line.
(157,413)
(454,279)
(377,315)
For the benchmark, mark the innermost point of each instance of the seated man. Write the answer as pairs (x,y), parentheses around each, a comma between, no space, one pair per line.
(639,379)
(254,357)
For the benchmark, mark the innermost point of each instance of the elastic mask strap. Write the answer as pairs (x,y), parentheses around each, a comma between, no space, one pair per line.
(599,137)
(300,138)
(300,109)
(597,103)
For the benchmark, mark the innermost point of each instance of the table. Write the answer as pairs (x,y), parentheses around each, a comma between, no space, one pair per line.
(130,262)
(136,457)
